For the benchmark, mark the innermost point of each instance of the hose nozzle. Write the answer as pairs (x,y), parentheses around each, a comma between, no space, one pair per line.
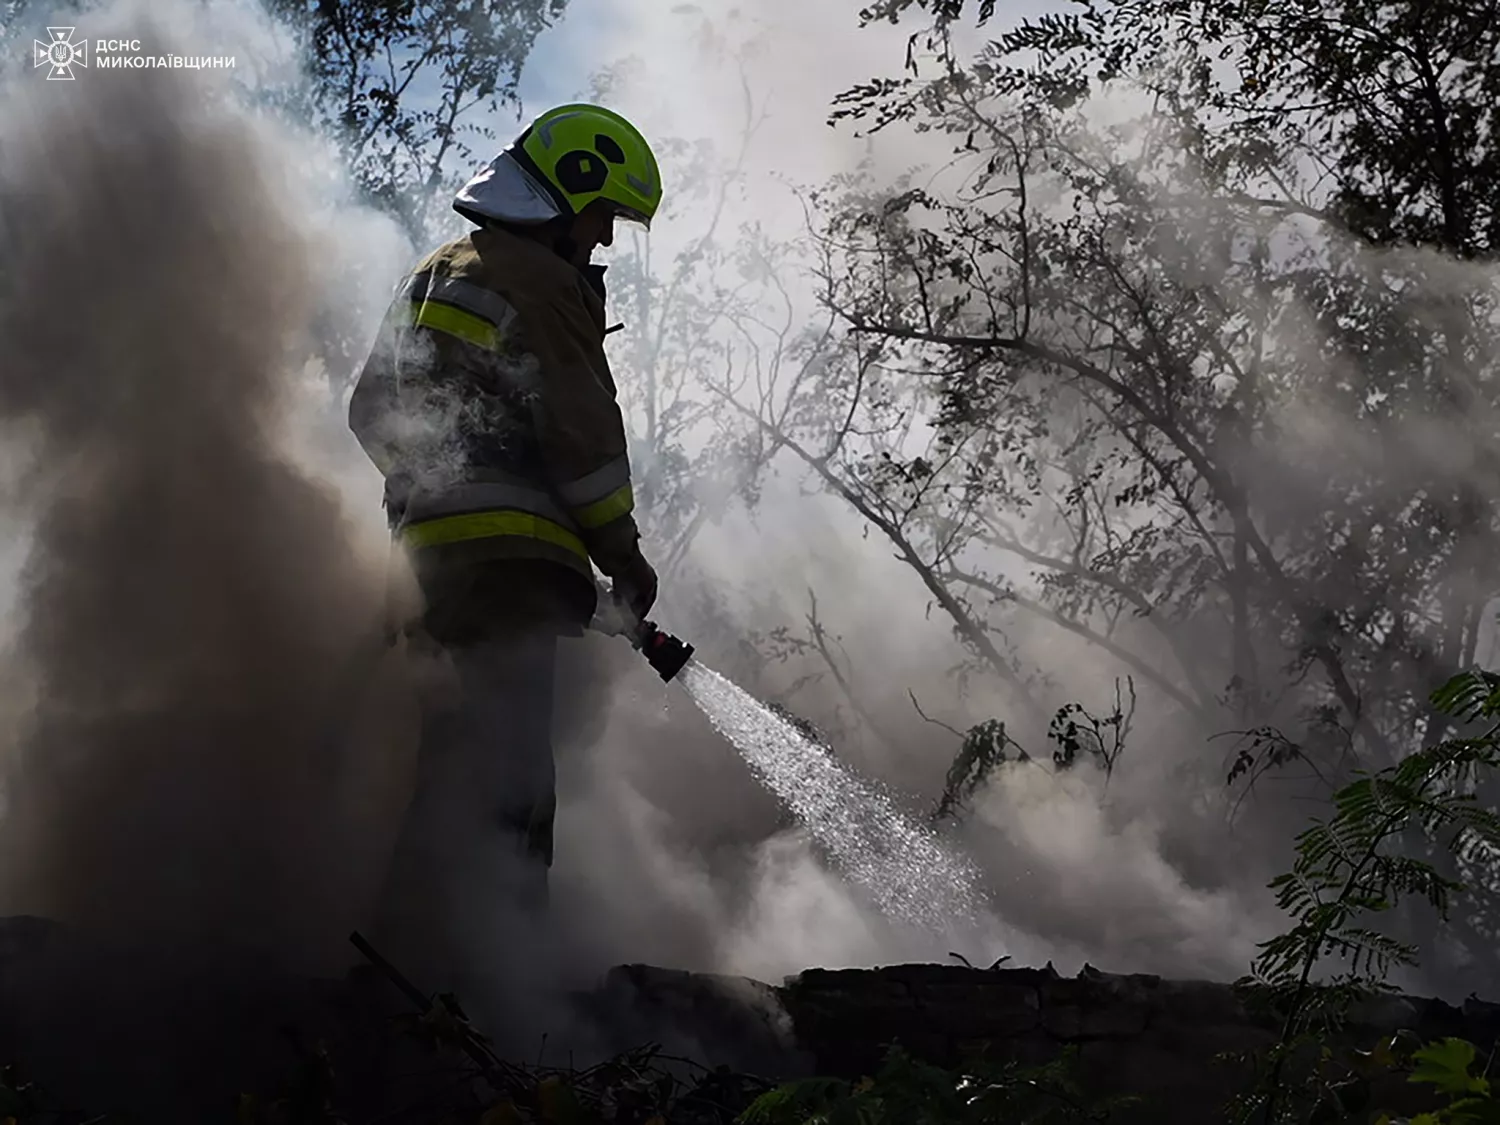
(664,652)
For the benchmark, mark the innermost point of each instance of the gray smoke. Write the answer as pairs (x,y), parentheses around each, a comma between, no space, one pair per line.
(1158,872)
(190,597)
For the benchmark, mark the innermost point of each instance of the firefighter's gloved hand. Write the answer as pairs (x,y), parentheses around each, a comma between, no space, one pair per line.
(636,587)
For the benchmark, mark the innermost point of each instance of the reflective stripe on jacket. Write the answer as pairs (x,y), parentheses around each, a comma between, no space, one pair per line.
(488,404)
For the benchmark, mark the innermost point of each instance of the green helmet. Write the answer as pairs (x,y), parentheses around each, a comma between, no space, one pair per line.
(581,153)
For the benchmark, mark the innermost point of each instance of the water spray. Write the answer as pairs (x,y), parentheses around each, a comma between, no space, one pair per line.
(910,874)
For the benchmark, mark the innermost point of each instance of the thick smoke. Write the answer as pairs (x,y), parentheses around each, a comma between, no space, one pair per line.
(1134,881)
(191,597)
(1159,870)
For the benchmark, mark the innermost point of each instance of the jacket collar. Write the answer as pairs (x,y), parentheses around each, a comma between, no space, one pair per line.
(542,258)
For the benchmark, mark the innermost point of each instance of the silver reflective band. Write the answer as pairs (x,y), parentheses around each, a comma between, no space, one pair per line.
(544,130)
(467,296)
(645,187)
(598,484)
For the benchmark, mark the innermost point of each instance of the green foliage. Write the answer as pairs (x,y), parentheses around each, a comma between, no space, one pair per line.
(982,751)
(1397,100)
(1077,733)
(1060,269)
(1449,1066)
(1349,867)
(905,1091)
(1446,1065)
(365,57)
(1260,750)
(1469,698)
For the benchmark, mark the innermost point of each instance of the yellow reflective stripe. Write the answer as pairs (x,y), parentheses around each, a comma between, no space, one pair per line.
(485,525)
(620,502)
(456,322)
(483,496)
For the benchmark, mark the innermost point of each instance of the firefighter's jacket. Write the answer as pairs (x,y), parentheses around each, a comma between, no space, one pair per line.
(488,404)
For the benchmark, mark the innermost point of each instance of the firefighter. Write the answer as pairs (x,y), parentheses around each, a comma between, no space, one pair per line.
(488,405)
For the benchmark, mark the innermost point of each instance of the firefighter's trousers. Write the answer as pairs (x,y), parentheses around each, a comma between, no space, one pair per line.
(467,884)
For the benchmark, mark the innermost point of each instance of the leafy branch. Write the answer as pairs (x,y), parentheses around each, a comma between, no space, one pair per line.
(1348,868)
(987,745)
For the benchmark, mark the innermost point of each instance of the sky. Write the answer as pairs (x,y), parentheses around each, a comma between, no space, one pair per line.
(560,64)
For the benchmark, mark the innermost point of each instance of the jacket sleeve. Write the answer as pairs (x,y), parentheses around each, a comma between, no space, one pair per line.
(373,407)
(418,384)
(581,431)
